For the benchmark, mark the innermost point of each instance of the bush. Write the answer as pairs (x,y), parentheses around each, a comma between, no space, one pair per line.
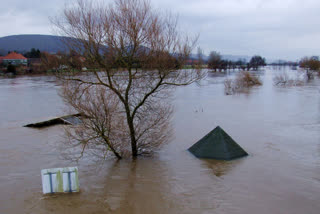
(246,80)
(229,87)
(283,79)
(242,81)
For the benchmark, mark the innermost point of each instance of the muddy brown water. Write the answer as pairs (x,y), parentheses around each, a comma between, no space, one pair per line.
(279,127)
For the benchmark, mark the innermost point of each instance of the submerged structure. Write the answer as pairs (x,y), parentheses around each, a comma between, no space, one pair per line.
(59,180)
(73,119)
(217,144)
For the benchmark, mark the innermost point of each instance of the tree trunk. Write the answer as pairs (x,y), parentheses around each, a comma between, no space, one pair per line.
(132,132)
(133,138)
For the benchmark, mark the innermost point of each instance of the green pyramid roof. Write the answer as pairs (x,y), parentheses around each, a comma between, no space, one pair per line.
(217,144)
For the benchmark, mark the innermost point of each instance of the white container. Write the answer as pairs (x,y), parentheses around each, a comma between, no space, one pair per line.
(60,180)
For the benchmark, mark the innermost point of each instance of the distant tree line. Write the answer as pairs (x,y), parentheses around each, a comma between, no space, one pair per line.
(71,60)
(33,53)
(217,63)
(284,63)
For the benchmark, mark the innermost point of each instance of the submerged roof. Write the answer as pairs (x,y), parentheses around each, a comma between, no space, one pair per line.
(73,119)
(14,55)
(217,144)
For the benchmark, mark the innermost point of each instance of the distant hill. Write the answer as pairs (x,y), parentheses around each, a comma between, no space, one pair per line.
(23,43)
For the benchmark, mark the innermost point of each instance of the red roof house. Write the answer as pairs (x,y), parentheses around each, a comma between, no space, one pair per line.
(15,59)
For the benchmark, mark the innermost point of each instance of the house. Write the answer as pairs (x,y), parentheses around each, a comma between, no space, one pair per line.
(15,59)
(1,59)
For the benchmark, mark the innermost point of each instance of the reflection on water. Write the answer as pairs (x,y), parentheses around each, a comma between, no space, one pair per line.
(279,127)
(220,168)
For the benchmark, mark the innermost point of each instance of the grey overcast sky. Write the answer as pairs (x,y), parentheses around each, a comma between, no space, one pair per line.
(286,29)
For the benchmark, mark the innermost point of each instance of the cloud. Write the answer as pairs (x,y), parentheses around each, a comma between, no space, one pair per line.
(31,17)
(285,29)
(275,29)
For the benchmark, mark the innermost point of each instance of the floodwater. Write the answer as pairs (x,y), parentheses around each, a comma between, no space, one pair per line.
(278,126)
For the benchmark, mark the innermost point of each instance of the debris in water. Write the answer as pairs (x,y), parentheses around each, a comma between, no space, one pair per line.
(217,145)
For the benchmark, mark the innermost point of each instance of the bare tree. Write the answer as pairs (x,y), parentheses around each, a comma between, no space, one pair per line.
(285,79)
(256,62)
(229,87)
(49,62)
(311,65)
(215,60)
(138,53)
